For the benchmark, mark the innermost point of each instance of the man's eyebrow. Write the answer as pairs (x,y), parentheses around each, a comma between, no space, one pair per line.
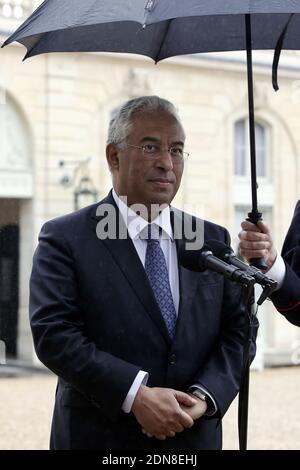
(149,138)
(156,140)
(178,142)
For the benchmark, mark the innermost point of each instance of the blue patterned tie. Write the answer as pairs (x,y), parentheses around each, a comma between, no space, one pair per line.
(157,272)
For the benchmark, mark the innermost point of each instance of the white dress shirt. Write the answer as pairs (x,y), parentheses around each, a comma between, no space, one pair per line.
(277,271)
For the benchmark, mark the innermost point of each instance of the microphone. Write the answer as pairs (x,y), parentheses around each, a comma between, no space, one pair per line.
(203,259)
(225,253)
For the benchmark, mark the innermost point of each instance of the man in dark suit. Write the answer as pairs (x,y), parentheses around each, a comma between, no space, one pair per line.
(148,354)
(256,242)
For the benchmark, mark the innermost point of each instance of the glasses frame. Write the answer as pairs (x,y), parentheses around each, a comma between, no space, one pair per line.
(185,154)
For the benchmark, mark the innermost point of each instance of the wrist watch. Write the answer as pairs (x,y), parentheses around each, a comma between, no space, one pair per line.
(199,394)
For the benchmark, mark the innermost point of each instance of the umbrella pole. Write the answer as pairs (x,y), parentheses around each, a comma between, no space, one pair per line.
(254,216)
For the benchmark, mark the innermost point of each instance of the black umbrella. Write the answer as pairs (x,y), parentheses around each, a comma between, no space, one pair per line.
(161,28)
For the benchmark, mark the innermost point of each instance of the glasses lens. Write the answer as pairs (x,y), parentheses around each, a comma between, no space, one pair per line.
(176,152)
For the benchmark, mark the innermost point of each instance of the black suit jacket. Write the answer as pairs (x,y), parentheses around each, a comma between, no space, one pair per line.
(287,298)
(95,324)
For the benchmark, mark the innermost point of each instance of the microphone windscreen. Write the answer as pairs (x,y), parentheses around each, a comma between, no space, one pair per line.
(192,259)
(219,249)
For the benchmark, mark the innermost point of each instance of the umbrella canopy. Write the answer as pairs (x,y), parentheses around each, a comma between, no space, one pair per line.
(173,28)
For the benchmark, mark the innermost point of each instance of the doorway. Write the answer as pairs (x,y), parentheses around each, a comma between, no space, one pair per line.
(9,274)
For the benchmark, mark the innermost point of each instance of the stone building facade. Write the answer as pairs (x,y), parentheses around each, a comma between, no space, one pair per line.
(55,108)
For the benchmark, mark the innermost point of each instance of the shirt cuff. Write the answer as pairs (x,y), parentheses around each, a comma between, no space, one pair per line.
(141,379)
(277,271)
(212,406)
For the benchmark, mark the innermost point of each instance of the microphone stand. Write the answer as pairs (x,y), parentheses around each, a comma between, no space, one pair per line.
(249,305)
(250,312)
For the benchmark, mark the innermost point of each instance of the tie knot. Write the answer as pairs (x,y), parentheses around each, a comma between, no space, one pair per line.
(150,233)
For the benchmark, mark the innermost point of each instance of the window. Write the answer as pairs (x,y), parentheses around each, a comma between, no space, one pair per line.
(242,149)
(266,310)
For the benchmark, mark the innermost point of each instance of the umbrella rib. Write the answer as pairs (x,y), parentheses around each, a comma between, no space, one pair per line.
(163,41)
(277,53)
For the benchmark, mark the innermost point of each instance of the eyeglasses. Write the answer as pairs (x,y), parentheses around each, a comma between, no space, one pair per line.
(154,150)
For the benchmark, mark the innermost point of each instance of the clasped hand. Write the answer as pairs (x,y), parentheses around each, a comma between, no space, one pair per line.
(163,412)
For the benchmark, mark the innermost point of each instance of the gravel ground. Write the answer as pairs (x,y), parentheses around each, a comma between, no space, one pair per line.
(274,413)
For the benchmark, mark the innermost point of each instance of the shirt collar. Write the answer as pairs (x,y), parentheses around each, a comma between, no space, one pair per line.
(135,223)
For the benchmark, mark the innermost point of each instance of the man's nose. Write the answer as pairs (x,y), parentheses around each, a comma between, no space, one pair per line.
(164,160)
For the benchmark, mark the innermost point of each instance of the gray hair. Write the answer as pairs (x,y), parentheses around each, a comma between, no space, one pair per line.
(120,124)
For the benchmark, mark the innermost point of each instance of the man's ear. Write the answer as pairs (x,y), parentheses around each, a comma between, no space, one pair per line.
(112,156)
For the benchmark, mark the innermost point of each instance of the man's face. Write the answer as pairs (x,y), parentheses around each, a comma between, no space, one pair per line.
(143,178)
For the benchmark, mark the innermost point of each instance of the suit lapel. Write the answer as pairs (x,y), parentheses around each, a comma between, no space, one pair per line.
(125,255)
(187,279)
